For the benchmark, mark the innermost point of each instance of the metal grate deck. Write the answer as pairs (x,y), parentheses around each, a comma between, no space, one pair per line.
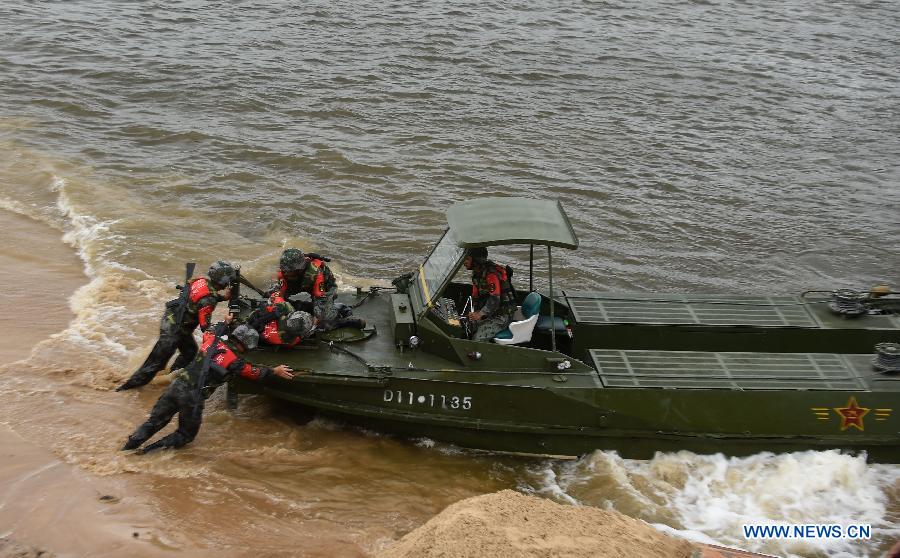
(744,371)
(682,309)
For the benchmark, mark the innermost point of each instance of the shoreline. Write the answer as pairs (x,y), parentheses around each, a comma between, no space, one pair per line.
(40,272)
(48,507)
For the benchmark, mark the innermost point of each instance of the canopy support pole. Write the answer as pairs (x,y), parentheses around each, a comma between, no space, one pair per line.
(531,269)
(552,319)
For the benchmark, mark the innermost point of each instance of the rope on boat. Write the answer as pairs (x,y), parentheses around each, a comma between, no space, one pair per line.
(848,302)
(887,357)
(377,370)
(374,290)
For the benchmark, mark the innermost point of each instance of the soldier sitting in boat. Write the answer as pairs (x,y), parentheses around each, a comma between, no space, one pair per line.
(492,295)
(182,316)
(279,324)
(308,273)
(216,363)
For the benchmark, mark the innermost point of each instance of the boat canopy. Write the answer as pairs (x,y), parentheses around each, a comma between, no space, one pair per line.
(496,221)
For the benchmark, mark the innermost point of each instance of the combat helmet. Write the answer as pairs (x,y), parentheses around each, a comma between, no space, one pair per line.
(248,336)
(292,259)
(479,254)
(221,274)
(300,323)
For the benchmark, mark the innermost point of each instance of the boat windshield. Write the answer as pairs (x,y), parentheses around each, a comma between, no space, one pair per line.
(440,266)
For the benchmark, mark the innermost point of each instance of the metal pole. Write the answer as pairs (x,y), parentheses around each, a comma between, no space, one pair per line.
(531,269)
(552,319)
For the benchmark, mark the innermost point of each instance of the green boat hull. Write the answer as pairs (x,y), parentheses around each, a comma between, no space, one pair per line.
(515,399)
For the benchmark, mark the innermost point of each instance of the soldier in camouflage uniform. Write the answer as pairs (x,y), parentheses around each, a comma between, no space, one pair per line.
(492,295)
(201,301)
(307,273)
(185,397)
(278,323)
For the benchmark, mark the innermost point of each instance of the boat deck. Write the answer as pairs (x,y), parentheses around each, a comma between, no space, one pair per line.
(714,310)
(739,371)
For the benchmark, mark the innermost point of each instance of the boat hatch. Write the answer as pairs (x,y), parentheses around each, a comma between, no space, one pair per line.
(680,309)
(741,371)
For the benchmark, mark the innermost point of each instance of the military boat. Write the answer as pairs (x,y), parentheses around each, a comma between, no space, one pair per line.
(579,371)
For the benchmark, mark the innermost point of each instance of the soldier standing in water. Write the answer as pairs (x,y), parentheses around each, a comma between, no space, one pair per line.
(182,316)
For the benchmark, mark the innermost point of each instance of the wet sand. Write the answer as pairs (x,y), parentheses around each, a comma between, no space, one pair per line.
(49,506)
(46,505)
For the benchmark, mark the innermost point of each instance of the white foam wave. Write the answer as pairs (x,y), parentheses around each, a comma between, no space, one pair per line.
(108,324)
(20,208)
(709,498)
(84,231)
(549,486)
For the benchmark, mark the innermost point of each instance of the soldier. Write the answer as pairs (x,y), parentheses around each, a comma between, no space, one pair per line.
(186,394)
(197,309)
(492,294)
(307,273)
(279,324)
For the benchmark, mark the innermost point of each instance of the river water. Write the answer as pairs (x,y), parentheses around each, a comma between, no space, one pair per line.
(700,146)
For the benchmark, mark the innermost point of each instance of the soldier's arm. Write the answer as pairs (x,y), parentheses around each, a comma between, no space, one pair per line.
(241,367)
(204,313)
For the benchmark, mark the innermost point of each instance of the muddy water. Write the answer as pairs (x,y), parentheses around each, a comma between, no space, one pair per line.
(718,147)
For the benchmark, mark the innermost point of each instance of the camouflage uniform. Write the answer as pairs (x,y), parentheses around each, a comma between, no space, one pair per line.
(201,302)
(185,398)
(492,295)
(273,322)
(316,279)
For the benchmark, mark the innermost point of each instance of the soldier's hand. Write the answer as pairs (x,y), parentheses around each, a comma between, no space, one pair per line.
(475,316)
(226,294)
(229,318)
(283,371)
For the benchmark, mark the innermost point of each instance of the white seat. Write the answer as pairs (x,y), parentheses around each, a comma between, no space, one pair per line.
(522,328)
(521,332)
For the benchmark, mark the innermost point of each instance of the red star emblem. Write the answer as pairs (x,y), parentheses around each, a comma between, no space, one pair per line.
(852,414)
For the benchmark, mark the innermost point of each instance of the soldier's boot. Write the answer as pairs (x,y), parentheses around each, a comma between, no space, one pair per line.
(140,378)
(358,323)
(132,443)
(174,440)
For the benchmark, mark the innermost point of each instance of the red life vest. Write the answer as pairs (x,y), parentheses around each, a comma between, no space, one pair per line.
(199,289)
(273,336)
(270,333)
(495,279)
(316,289)
(223,358)
(226,357)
